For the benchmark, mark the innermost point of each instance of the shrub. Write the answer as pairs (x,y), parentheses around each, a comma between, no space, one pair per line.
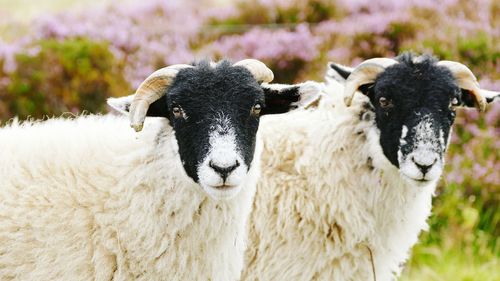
(62,76)
(143,36)
(286,52)
(278,12)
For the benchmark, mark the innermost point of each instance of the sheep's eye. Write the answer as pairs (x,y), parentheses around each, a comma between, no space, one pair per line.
(385,103)
(256,109)
(177,111)
(453,102)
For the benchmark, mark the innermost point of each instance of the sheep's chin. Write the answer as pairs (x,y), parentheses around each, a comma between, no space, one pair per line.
(418,182)
(225,192)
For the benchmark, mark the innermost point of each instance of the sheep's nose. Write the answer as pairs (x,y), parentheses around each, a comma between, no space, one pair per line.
(424,164)
(224,171)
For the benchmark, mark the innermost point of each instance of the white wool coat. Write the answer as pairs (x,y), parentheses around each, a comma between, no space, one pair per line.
(328,199)
(90,199)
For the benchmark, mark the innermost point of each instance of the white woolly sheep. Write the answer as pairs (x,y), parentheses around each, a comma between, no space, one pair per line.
(346,190)
(89,199)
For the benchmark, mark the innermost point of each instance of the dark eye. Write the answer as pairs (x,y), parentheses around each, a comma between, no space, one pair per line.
(453,102)
(385,103)
(177,111)
(256,109)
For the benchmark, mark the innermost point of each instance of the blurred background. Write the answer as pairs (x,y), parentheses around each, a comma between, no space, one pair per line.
(61,56)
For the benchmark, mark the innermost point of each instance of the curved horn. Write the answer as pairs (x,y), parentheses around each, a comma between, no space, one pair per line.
(466,80)
(259,70)
(150,90)
(365,73)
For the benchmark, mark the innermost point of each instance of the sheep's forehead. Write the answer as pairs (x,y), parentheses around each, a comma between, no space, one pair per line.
(215,82)
(417,84)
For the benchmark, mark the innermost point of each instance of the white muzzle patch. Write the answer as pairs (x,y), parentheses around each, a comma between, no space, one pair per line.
(222,173)
(423,165)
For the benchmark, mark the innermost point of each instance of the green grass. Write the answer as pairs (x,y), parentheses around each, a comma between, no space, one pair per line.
(462,244)
(436,264)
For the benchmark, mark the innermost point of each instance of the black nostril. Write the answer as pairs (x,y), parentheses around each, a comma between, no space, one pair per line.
(223,171)
(423,168)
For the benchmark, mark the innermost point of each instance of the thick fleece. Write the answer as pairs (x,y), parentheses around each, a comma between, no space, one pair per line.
(90,199)
(328,199)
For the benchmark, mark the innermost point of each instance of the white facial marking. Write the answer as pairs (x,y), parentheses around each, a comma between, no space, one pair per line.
(402,140)
(424,164)
(441,140)
(404,132)
(223,152)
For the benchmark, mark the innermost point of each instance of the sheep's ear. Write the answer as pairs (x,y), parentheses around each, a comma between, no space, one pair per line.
(156,109)
(468,99)
(340,73)
(121,104)
(491,96)
(337,72)
(281,98)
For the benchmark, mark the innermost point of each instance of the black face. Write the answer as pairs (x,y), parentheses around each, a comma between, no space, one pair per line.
(414,103)
(208,99)
(407,94)
(214,111)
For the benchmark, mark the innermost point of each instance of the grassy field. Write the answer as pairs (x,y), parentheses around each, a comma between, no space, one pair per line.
(453,264)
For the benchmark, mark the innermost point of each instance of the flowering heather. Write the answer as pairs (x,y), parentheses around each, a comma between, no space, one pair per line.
(477,141)
(8,50)
(279,45)
(365,23)
(373,7)
(285,51)
(144,35)
(148,34)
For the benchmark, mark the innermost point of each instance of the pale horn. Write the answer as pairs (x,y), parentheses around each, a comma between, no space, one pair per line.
(365,73)
(259,70)
(150,90)
(467,81)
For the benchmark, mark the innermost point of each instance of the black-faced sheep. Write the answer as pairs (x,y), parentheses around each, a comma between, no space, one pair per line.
(90,199)
(346,190)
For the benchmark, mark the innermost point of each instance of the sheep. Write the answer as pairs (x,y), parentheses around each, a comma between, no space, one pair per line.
(89,199)
(345,190)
